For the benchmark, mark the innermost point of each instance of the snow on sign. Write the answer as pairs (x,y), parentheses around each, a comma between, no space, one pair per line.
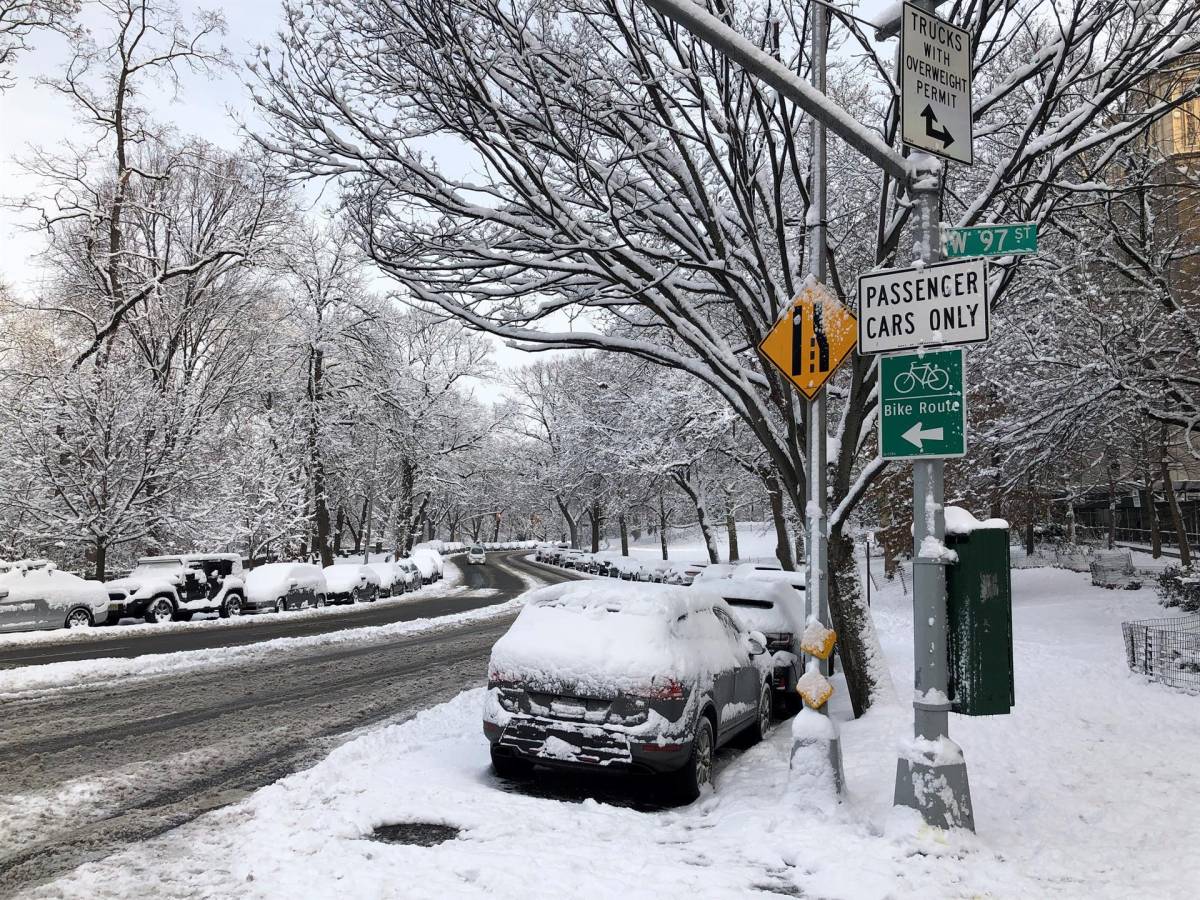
(903,309)
(811,339)
(935,85)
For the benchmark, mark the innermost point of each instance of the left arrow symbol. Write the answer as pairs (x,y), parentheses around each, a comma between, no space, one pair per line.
(942,135)
(918,435)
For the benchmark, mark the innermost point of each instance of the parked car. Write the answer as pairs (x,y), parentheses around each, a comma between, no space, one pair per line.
(713,571)
(39,598)
(771,606)
(390,579)
(606,675)
(476,556)
(351,584)
(285,585)
(432,557)
(410,575)
(162,588)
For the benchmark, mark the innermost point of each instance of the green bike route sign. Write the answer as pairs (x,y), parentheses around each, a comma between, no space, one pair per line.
(989,240)
(922,410)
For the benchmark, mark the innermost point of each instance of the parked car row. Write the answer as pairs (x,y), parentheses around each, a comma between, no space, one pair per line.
(762,596)
(35,595)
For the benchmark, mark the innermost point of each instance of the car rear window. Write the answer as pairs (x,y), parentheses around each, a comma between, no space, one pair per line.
(743,601)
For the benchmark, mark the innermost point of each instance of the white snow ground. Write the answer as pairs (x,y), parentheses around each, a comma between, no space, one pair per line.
(1089,790)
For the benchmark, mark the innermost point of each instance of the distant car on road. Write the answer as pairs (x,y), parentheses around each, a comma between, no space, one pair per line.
(38,598)
(285,585)
(624,676)
(476,555)
(162,588)
(351,584)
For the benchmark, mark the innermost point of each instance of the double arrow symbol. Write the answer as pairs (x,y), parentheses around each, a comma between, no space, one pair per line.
(943,134)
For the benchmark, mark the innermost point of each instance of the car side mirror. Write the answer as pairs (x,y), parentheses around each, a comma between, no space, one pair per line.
(757,642)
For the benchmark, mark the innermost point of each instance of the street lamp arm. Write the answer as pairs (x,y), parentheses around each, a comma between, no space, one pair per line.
(765,67)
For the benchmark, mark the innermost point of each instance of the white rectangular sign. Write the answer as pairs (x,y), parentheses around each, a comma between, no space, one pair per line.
(935,85)
(931,306)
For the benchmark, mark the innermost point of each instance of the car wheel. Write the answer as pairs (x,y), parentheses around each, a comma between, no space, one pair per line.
(231,607)
(78,618)
(697,771)
(762,722)
(510,766)
(320,604)
(280,605)
(161,610)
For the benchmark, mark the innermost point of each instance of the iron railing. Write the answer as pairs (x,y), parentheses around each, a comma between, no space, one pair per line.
(1165,650)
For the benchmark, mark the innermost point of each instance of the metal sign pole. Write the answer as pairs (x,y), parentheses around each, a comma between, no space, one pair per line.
(931,773)
(817,505)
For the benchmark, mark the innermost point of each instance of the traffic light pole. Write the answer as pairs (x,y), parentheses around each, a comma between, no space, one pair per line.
(931,772)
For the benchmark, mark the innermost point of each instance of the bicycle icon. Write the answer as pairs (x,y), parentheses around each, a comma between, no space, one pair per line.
(926,375)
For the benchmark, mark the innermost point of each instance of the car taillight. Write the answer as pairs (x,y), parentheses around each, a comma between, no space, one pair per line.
(661,689)
(779,640)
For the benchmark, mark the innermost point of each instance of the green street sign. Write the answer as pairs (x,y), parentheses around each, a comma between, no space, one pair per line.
(922,409)
(989,240)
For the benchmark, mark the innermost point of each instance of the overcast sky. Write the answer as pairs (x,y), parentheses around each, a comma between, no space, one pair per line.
(36,115)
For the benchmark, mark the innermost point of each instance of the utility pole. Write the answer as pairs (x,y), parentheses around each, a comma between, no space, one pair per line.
(816,592)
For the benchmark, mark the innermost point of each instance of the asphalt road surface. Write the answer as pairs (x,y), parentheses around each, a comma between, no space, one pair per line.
(85,773)
(496,582)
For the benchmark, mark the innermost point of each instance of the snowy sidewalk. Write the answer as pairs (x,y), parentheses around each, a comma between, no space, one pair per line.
(1089,790)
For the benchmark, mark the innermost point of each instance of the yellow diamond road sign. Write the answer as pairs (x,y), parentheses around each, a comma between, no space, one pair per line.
(811,339)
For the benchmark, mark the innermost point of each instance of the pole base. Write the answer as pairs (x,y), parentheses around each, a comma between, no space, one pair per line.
(815,767)
(931,777)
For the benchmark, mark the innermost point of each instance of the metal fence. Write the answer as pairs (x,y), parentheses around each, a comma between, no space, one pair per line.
(1165,650)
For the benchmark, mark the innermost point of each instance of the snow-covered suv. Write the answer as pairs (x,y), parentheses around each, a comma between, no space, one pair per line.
(162,588)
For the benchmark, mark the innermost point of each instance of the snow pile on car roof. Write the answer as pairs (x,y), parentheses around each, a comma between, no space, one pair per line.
(50,584)
(749,597)
(343,578)
(600,636)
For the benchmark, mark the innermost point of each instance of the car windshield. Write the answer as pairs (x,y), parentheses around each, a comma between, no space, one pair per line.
(156,567)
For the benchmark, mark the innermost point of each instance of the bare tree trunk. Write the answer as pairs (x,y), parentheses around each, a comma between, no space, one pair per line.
(662,524)
(572,524)
(731,528)
(338,528)
(682,477)
(857,643)
(1185,551)
(596,518)
(783,547)
(320,501)
(496,532)
(99,571)
(1112,506)
(624,534)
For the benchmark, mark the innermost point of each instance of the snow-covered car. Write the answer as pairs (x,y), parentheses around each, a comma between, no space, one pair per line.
(425,554)
(391,582)
(408,574)
(713,571)
(426,567)
(162,588)
(351,584)
(476,556)
(753,572)
(285,585)
(43,597)
(618,676)
(775,609)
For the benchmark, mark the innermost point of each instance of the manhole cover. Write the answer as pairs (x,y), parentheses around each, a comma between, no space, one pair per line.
(420,834)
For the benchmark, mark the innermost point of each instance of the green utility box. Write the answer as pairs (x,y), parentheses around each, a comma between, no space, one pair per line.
(979,623)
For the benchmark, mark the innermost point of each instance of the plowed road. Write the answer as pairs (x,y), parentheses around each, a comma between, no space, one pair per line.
(84,773)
